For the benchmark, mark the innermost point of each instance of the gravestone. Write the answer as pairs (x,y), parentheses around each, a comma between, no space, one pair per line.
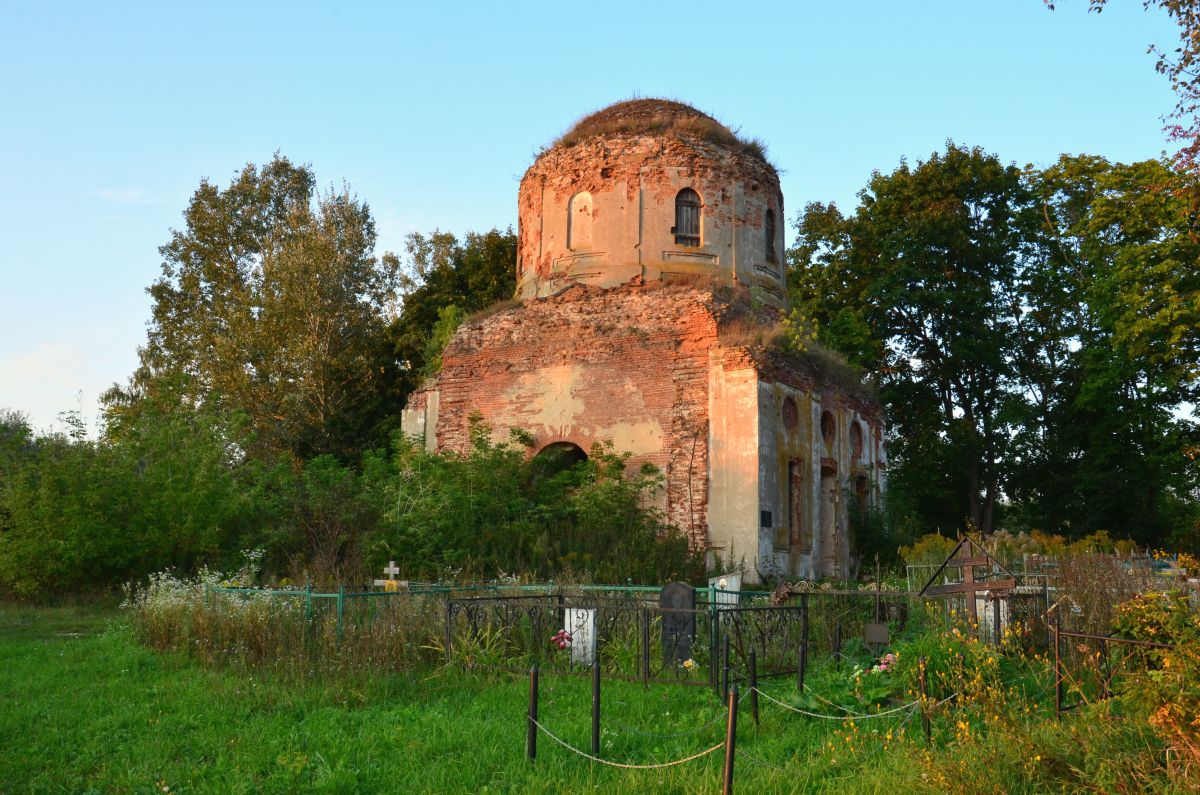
(678,628)
(580,623)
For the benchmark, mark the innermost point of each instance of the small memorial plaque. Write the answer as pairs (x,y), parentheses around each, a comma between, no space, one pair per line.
(876,633)
(580,623)
(677,601)
(728,588)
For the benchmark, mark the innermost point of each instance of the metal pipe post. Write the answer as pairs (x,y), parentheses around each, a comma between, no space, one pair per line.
(531,737)
(924,700)
(730,741)
(754,685)
(596,707)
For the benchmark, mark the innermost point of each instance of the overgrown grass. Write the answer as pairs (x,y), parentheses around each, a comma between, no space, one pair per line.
(88,709)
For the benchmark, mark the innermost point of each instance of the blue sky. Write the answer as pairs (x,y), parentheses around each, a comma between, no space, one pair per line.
(113,112)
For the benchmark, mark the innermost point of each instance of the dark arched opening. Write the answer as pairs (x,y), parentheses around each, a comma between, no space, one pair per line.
(557,457)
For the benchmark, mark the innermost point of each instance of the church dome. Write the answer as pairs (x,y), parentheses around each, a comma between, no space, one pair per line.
(660,117)
(650,189)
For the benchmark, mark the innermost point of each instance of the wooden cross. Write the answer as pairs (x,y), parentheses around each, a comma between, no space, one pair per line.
(969,585)
(391,583)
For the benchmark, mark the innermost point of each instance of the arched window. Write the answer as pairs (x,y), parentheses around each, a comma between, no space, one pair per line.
(769,232)
(687,218)
(828,428)
(856,442)
(579,220)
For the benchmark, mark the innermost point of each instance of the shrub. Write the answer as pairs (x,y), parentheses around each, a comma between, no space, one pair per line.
(1169,690)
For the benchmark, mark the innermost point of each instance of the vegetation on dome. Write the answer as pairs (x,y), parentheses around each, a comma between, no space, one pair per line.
(660,117)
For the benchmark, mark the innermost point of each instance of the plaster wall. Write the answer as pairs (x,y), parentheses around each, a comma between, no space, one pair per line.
(603,213)
(734,471)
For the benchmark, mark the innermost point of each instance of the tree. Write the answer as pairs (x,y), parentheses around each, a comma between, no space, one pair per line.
(1101,445)
(916,287)
(1028,336)
(272,304)
(447,280)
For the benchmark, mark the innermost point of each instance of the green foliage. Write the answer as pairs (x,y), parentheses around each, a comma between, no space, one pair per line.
(1033,335)
(272,304)
(1169,691)
(449,319)
(443,272)
(931,548)
(81,515)
(495,509)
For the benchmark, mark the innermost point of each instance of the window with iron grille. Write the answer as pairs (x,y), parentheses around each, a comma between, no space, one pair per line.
(687,218)
(769,231)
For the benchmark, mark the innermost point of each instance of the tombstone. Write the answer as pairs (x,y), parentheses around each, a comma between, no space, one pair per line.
(728,589)
(580,623)
(678,628)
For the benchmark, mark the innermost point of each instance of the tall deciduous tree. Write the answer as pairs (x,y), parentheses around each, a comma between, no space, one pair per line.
(915,285)
(273,304)
(1029,336)
(447,279)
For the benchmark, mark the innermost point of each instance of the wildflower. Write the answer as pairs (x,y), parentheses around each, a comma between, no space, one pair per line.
(689,664)
(561,639)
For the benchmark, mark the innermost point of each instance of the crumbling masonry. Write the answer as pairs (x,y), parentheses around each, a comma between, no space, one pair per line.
(650,276)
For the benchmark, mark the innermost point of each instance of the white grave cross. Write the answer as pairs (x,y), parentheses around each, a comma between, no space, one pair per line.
(391,583)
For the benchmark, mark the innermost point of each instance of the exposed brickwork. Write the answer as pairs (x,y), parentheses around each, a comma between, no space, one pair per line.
(652,339)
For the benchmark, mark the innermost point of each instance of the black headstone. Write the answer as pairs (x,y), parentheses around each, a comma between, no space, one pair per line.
(678,628)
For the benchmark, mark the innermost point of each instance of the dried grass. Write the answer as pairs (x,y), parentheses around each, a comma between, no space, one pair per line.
(660,117)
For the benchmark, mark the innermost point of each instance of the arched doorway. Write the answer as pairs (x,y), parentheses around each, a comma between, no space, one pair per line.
(557,457)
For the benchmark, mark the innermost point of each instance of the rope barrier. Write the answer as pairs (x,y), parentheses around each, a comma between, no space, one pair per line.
(696,730)
(901,708)
(623,765)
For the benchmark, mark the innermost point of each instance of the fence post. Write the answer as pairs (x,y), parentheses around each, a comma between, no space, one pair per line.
(837,646)
(725,665)
(730,741)
(754,685)
(801,664)
(645,644)
(713,647)
(531,738)
(996,621)
(308,602)
(596,707)
(1058,679)
(1046,599)
(341,611)
(448,629)
(924,700)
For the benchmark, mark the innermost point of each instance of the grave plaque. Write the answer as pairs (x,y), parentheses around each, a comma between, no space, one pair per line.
(876,633)
(727,590)
(678,628)
(580,623)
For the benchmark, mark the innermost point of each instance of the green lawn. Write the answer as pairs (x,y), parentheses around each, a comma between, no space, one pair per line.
(83,708)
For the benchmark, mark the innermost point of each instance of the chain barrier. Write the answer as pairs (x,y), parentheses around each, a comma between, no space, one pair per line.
(624,765)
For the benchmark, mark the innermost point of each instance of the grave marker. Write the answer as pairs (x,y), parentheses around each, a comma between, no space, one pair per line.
(580,623)
(678,628)
(391,584)
(727,589)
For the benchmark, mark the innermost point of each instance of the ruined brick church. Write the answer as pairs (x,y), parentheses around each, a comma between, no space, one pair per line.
(651,285)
